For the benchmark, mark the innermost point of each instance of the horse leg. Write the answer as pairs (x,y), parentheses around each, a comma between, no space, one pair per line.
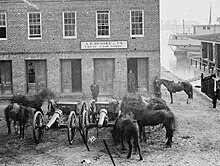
(122,142)
(8,125)
(128,137)
(171,97)
(138,147)
(169,135)
(140,132)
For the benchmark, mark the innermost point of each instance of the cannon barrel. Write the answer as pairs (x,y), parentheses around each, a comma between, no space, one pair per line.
(58,113)
(102,115)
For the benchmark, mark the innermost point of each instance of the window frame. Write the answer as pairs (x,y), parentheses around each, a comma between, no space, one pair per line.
(4,26)
(139,35)
(109,25)
(31,37)
(69,37)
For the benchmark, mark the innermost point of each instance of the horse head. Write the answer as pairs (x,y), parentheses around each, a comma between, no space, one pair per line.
(158,82)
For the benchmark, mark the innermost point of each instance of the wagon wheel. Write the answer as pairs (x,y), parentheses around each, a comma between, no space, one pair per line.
(83,121)
(71,127)
(38,130)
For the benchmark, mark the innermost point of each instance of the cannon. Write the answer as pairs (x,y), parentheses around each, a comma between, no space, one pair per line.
(100,114)
(60,115)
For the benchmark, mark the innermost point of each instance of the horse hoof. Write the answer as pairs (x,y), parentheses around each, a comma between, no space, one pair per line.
(128,156)
(141,158)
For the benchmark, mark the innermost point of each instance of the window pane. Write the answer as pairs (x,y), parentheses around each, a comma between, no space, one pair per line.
(69,24)
(103,27)
(136,23)
(34,25)
(2,32)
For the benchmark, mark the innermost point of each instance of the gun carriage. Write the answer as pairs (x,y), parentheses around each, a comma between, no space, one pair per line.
(100,114)
(61,115)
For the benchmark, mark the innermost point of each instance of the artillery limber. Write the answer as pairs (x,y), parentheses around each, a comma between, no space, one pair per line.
(60,114)
(100,114)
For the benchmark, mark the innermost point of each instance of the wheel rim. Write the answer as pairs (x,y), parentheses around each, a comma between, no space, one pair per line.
(84,121)
(71,127)
(38,127)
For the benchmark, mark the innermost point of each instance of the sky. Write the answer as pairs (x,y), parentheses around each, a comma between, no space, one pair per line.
(189,10)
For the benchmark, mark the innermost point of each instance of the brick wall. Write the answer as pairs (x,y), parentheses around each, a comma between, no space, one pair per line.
(53,47)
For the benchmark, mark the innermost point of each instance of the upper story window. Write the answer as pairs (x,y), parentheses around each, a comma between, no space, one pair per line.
(34,25)
(69,24)
(3,26)
(102,24)
(137,23)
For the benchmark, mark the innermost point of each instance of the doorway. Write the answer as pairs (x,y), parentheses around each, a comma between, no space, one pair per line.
(5,77)
(36,75)
(139,66)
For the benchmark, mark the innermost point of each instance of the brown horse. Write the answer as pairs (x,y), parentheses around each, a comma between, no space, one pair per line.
(15,112)
(173,87)
(125,128)
(155,117)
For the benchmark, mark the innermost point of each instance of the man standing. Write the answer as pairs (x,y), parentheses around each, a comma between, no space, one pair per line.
(95,91)
(216,92)
(131,82)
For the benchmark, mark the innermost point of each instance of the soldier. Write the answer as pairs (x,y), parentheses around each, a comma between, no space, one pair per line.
(131,81)
(95,91)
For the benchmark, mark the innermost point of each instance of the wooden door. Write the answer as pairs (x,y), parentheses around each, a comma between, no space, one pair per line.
(36,76)
(104,75)
(76,75)
(5,77)
(66,76)
(143,73)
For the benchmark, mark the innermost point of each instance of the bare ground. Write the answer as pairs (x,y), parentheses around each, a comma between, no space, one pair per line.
(196,141)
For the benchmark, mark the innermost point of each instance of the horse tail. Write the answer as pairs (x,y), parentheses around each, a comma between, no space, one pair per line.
(173,124)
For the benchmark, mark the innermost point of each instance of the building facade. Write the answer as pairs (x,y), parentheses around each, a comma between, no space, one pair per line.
(68,45)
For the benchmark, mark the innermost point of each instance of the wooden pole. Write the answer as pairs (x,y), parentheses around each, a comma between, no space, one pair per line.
(84,140)
(109,152)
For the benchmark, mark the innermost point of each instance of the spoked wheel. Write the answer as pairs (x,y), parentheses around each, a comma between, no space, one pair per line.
(71,127)
(83,121)
(38,130)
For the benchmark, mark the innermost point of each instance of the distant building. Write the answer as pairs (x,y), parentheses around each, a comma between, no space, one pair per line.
(67,45)
(206,29)
(210,53)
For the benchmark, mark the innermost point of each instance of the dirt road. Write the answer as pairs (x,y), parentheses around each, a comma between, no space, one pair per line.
(196,141)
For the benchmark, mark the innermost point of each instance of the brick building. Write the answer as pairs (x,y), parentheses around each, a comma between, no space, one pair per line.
(67,45)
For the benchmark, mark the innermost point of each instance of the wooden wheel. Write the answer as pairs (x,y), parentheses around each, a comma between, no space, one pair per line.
(71,127)
(83,121)
(38,130)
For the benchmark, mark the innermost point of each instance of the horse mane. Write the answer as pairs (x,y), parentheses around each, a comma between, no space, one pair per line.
(34,101)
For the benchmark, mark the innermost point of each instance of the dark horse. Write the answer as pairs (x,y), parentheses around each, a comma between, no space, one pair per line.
(34,101)
(173,87)
(151,115)
(15,112)
(155,117)
(125,128)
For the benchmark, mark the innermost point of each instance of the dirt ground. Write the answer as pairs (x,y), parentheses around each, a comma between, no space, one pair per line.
(196,141)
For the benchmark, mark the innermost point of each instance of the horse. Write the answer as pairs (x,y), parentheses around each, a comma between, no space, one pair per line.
(15,112)
(173,87)
(125,128)
(155,117)
(34,101)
